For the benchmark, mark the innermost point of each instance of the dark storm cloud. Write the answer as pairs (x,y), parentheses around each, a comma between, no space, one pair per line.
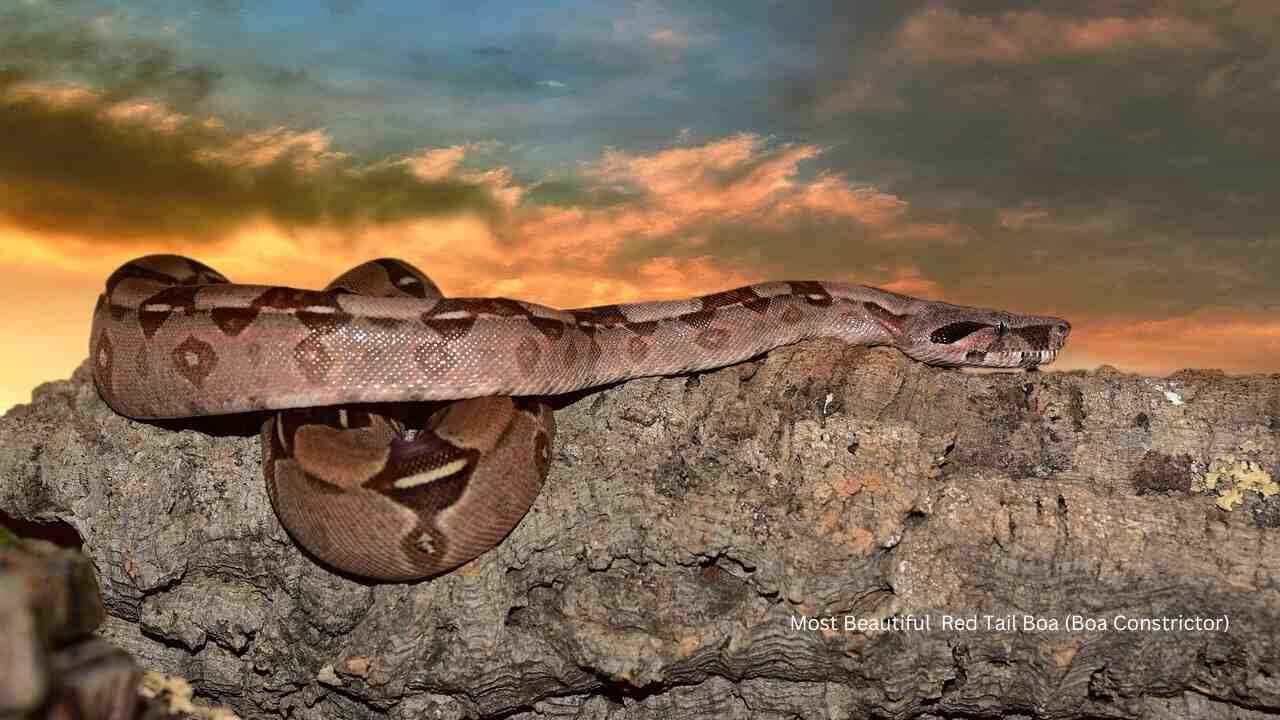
(1140,132)
(136,51)
(97,167)
(45,43)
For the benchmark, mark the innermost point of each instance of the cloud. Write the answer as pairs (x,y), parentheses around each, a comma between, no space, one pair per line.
(75,39)
(1225,338)
(74,160)
(691,218)
(625,225)
(742,178)
(858,95)
(1016,218)
(939,33)
(435,163)
(688,193)
(1074,125)
(908,280)
(729,176)
(306,151)
(831,194)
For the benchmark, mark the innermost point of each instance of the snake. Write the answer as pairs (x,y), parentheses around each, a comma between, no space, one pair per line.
(374,493)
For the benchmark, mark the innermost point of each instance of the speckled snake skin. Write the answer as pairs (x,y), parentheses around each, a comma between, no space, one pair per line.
(174,338)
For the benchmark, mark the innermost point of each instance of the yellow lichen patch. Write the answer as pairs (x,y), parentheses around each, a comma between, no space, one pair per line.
(177,694)
(687,645)
(471,568)
(1231,478)
(1064,654)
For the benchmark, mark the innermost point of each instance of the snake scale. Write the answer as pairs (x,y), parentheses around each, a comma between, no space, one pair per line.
(174,338)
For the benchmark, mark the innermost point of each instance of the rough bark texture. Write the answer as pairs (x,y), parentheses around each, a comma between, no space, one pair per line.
(690,523)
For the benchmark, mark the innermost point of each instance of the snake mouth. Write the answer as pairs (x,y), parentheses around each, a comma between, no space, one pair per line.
(1020,358)
(1008,358)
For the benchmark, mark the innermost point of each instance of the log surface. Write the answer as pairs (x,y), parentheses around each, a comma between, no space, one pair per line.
(702,542)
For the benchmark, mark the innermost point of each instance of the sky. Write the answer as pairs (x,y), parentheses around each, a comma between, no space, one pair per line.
(1114,163)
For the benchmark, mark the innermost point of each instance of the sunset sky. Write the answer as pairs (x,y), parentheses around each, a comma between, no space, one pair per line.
(1114,163)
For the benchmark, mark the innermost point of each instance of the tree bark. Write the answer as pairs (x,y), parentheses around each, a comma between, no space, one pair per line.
(707,545)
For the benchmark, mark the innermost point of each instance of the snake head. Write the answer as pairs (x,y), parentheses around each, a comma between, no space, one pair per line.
(939,333)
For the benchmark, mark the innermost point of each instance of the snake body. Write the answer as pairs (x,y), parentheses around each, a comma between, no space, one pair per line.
(174,338)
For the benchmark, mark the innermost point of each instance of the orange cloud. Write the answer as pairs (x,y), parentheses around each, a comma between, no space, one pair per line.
(735,175)
(949,233)
(674,200)
(909,281)
(735,178)
(294,194)
(435,163)
(307,151)
(940,34)
(830,194)
(1227,339)
(153,115)
(55,96)
(1016,218)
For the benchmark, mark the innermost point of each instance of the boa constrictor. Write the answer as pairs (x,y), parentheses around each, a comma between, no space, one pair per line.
(174,338)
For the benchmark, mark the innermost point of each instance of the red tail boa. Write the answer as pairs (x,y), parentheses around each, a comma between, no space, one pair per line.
(174,338)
